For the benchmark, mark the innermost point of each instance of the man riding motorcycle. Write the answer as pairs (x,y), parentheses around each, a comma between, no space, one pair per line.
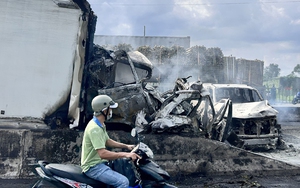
(296,98)
(94,154)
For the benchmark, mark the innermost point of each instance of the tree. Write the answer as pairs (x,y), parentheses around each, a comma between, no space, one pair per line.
(297,69)
(177,54)
(161,55)
(147,51)
(213,69)
(123,46)
(271,72)
(196,55)
(287,81)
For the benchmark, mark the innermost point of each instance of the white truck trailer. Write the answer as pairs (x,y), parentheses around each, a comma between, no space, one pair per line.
(44,46)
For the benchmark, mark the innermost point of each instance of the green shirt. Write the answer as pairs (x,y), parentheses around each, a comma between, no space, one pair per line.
(94,138)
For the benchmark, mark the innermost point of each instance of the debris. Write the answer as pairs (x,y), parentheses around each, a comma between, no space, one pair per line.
(188,108)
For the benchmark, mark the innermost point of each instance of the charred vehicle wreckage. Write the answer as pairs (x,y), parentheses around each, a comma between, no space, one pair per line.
(254,120)
(188,109)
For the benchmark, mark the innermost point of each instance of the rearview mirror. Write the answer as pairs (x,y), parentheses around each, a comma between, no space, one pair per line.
(133,132)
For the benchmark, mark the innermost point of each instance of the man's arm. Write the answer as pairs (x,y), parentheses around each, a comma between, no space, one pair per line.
(114,144)
(110,155)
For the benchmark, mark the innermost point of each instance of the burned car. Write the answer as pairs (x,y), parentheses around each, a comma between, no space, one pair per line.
(186,109)
(254,121)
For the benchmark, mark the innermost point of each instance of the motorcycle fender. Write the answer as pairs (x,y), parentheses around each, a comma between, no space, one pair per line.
(43,175)
(155,171)
(49,179)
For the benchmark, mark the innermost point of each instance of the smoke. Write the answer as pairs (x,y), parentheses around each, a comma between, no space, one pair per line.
(168,73)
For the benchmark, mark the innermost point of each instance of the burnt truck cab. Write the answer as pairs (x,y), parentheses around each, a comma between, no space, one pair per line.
(121,76)
(253,120)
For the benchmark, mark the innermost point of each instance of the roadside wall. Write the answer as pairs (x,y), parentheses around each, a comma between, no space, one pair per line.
(20,149)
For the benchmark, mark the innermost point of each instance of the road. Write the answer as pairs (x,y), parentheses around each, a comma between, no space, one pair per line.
(291,135)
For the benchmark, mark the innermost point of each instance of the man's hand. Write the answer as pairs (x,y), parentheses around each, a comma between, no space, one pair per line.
(130,147)
(133,156)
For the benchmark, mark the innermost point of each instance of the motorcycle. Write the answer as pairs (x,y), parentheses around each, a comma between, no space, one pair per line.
(142,173)
(296,99)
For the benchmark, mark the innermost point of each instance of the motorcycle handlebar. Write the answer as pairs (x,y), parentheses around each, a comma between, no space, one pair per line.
(134,149)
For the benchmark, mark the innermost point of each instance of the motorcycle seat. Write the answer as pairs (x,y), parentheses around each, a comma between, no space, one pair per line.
(71,171)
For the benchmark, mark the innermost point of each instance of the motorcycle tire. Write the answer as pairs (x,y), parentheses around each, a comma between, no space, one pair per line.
(294,101)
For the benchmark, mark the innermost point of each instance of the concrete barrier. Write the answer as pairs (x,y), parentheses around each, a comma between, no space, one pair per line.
(20,149)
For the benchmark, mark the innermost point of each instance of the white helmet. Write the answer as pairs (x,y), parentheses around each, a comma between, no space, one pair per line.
(102,102)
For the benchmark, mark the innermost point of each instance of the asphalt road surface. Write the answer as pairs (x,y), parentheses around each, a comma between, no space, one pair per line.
(291,135)
(238,181)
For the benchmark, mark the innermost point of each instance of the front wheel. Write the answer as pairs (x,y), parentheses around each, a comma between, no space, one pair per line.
(294,101)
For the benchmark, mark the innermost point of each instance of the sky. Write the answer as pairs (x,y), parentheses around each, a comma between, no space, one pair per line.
(267,30)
